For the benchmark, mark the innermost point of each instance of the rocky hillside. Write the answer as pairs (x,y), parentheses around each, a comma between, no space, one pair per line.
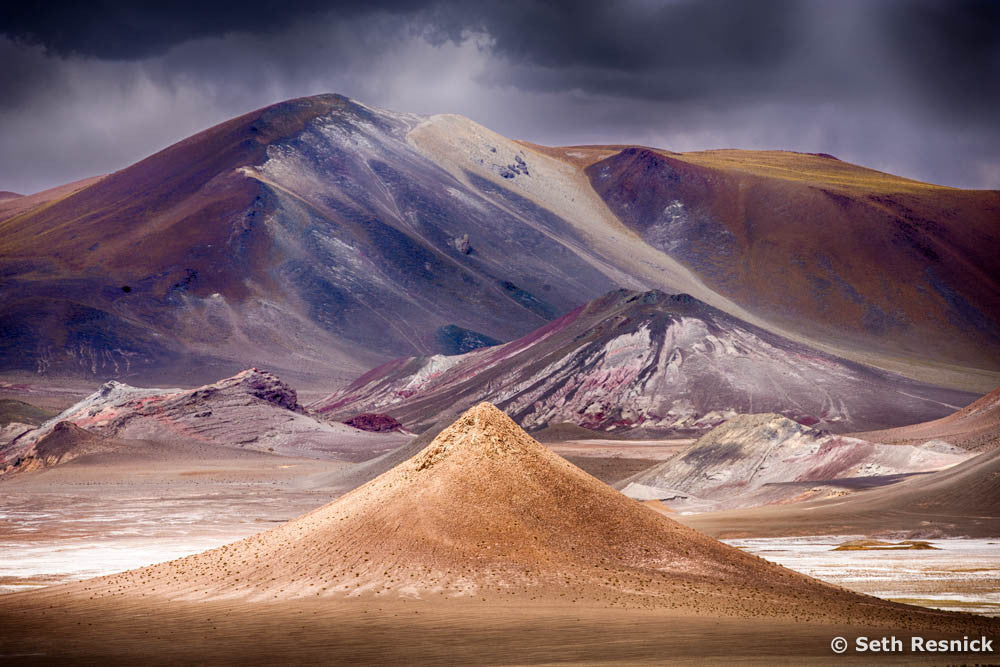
(763,459)
(252,410)
(321,237)
(644,359)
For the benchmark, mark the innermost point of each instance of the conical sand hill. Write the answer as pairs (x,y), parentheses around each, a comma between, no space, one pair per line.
(485,511)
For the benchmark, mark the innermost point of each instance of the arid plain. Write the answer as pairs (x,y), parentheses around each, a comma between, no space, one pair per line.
(105,513)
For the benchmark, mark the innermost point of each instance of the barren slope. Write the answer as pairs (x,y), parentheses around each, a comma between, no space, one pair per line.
(309,235)
(975,427)
(845,255)
(648,360)
(763,459)
(252,410)
(320,237)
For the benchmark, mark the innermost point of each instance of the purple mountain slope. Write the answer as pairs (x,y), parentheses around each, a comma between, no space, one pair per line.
(644,359)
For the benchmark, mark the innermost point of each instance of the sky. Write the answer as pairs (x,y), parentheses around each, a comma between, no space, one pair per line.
(906,86)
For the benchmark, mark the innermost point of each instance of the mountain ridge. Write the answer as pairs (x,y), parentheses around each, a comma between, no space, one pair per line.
(253,411)
(650,360)
(321,237)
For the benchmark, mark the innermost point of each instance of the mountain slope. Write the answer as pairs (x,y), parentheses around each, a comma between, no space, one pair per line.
(845,255)
(975,427)
(485,510)
(643,359)
(309,234)
(763,459)
(320,237)
(252,410)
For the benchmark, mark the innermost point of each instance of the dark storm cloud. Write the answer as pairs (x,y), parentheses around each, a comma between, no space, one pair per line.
(632,36)
(905,86)
(126,30)
(633,48)
(947,52)
(651,50)
(951,51)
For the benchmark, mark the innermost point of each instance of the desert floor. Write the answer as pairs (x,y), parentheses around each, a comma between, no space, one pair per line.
(56,629)
(86,519)
(99,516)
(95,517)
(957,575)
(82,520)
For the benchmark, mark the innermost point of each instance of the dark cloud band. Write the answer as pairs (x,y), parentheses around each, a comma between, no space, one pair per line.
(124,30)
(612,71)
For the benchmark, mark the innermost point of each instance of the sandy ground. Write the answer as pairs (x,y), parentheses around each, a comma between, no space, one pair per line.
(60,630)
(958,575)
(78,520)
(614,460)
(656,450)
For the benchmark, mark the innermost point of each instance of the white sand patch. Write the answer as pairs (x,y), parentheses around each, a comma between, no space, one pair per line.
(54,538)
(960,574)
(74,560)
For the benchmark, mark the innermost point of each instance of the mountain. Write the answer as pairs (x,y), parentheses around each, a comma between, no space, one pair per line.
(321,237)
(975,427)
(763,459)
(644,359)
(849,256)
(961,501)
(252,410)
(486,511)
(310,234)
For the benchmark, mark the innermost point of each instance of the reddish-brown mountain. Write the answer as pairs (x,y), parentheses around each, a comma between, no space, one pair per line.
(849,256)
(321,237)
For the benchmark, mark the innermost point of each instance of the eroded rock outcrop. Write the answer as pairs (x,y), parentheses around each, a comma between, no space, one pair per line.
(762,459)
(253,409)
